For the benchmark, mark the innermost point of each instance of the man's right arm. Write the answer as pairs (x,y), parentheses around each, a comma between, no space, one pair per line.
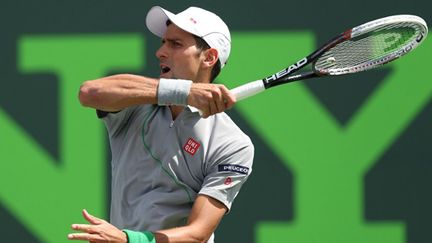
(114,93)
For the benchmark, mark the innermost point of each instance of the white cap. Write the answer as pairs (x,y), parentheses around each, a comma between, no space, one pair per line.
(196,21)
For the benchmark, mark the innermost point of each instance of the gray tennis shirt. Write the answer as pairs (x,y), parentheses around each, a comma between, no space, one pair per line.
(159,166)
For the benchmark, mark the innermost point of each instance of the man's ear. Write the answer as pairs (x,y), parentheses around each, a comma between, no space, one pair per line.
(211,57)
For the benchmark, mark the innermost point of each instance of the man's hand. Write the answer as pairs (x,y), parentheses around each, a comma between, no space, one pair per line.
(210,98)
(97,231)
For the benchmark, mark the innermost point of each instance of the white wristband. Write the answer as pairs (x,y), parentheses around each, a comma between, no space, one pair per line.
(173,91)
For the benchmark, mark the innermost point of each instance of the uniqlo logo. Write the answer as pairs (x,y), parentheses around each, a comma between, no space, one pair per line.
(191,146)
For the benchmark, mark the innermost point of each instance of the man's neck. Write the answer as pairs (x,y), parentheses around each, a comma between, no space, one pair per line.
(176,110)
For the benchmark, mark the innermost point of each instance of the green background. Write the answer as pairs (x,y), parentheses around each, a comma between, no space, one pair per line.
(340,159)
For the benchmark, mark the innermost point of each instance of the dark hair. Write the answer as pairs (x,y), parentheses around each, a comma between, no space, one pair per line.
(202,45)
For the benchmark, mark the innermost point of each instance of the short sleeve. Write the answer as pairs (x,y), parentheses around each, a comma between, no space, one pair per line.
(116,121)
(228,172)
(119,122)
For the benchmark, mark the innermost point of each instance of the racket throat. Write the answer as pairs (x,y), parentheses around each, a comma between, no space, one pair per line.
(289,79)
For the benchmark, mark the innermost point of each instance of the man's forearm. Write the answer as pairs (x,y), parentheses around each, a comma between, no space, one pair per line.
(117,92)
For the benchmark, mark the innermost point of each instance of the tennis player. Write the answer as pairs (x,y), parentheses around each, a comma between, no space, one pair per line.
(174,173)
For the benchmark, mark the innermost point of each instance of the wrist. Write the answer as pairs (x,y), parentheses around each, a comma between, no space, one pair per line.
(125,238)
(173,91)
(139,237)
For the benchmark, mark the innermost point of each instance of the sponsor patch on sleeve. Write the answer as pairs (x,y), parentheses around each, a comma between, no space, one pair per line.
(233,168)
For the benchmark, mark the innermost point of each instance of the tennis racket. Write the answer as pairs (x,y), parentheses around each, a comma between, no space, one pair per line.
(364,47)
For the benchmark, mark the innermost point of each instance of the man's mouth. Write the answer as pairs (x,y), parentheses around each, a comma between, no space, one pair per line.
(164,69)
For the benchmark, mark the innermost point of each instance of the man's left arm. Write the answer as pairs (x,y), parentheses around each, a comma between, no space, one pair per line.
(205,216)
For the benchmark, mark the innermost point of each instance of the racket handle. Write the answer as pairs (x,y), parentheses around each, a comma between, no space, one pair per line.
(247,90)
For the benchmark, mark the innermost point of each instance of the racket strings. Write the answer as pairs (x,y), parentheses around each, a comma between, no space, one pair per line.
(369,49)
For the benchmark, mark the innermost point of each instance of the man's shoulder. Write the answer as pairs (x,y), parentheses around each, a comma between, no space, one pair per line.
(227,131)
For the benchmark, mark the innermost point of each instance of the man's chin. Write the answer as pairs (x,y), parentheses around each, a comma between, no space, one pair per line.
(166,75)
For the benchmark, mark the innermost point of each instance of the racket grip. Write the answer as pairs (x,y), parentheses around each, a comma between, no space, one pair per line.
(247,90)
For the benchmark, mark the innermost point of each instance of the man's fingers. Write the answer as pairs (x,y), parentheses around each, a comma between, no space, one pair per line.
(98,231)
(220,99)
(83,227)
(229,98)
(210,98)
(90,218)
(84,236)
(213,107)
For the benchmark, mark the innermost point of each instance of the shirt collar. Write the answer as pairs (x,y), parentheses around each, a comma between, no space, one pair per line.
(192,109)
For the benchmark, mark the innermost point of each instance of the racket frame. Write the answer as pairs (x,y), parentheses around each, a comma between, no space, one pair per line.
(286,75)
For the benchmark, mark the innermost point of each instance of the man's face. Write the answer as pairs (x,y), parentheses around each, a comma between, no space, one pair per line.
(178,56)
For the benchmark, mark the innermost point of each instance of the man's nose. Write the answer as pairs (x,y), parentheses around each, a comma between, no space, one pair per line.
(162,51)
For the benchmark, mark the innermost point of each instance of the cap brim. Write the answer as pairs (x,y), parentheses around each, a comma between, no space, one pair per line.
(156,20)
